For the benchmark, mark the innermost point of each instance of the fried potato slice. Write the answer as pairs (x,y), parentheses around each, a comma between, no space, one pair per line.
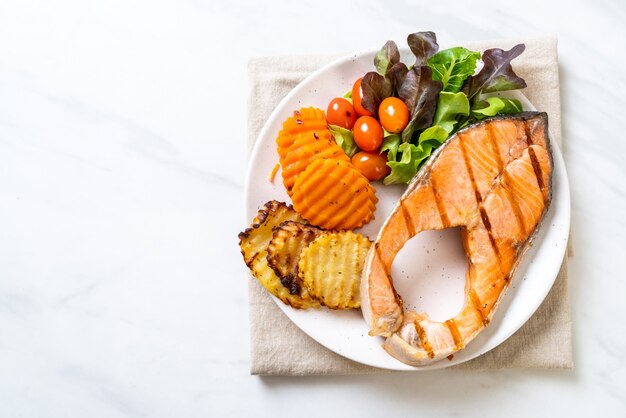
(334,195)
(283,252)
(330,267)
(254,241)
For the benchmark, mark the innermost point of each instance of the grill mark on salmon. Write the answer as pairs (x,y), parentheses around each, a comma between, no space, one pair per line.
(456,335)
(528,134)
(445,221)
(483,214)
(479,198)
(478,306)
(407,218)
(469,169)
(424,339)
(533,157)
(498,199)
(485,219)
(387,271)
(536,168)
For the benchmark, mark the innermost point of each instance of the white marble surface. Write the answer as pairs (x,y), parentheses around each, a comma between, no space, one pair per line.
(122,159)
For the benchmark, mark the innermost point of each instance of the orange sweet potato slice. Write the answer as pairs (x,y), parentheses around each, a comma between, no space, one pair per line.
(332,194)
(305,120)
(304,138)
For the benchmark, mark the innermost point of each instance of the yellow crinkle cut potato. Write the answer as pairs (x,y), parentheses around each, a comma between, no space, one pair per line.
(254,242)
(283,252)
(330,267)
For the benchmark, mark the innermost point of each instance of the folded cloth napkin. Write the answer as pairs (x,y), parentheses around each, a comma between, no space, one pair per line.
(278,347)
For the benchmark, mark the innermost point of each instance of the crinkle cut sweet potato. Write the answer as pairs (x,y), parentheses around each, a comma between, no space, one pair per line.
(305,137)
(333,194)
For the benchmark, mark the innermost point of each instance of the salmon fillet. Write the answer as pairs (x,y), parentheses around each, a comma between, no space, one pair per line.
(493,179)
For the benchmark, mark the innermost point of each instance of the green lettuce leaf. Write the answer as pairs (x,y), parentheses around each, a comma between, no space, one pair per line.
(411,156)
(435,136)
(386,57)
(402,171)
(343,138)
(390,145)
(492,106)
(348,96)
(449,107)
(453,66)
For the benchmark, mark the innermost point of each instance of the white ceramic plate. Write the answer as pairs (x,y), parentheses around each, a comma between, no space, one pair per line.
(429,272)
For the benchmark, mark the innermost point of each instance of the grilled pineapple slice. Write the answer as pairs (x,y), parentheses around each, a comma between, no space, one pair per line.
(254,241)
(330,267)
(283,252)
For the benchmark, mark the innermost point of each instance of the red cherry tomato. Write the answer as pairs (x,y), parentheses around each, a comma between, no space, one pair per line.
(368,134)
(357,97)
(341,113)
(393,115)
(371,164)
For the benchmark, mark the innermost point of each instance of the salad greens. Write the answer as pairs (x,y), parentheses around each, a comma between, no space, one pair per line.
(411,156)
(449,107)
(344,138)
(387,57)
(497,106)
(375,89)
(442,92)
(423,45)
(419,92)
(496,74)
(382,83)
(452,66)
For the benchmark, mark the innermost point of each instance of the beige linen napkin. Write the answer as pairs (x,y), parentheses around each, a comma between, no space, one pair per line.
(278,347)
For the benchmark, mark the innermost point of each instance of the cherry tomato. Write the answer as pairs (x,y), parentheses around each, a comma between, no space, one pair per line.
(371,164)
(357,96)
(393,115)
(341,113)
(368,134)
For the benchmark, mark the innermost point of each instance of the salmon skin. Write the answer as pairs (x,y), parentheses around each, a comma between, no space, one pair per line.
(494,180)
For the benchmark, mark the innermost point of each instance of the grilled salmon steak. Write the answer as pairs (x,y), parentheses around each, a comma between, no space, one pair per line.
(493,179)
